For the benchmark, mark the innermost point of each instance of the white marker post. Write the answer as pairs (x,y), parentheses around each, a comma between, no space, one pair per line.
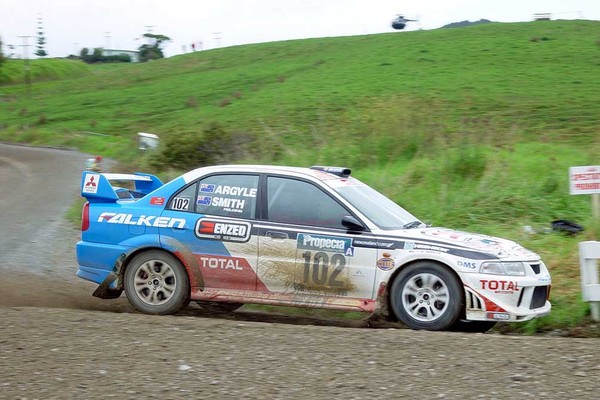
(147,141)
(586,180)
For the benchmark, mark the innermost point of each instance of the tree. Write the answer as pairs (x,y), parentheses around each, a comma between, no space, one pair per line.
(96,55)
(152,50)
(41,39)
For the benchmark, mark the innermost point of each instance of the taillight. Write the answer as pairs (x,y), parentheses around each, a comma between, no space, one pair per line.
(85,217)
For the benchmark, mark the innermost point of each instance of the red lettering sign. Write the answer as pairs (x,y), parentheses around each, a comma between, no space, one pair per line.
(507,286)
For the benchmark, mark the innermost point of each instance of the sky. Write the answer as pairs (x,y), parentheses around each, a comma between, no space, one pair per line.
(69,25)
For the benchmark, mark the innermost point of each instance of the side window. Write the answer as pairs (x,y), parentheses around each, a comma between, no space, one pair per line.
(184,200)
(228,196)
(298,202)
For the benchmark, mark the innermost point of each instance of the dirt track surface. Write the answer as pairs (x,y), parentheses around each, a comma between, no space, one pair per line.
(56,341)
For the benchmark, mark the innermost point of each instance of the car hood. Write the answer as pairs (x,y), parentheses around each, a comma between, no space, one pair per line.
(498,247)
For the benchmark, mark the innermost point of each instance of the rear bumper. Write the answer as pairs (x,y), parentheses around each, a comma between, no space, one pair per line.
(96,260)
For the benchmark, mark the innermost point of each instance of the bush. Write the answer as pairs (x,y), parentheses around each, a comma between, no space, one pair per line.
(214,145)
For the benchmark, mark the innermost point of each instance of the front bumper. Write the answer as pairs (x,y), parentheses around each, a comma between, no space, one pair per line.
(506,298)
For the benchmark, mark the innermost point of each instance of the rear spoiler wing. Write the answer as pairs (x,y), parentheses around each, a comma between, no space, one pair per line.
(97,187)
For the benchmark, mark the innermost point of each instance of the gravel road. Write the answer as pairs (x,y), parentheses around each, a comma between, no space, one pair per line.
(57,342)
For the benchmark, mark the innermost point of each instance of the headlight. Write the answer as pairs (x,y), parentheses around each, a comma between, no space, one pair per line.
(502,268)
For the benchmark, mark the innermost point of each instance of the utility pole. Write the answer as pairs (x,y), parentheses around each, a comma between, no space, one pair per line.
(25,45)
(149,29)
(217,37)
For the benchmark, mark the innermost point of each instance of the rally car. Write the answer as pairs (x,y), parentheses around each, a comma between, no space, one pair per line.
(225,236)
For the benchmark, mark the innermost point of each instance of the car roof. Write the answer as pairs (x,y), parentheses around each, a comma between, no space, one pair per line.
(277,169)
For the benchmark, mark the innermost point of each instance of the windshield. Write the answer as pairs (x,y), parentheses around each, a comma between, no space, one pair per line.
(382,211)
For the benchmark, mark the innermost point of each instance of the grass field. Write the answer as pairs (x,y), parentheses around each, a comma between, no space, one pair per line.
(472,128)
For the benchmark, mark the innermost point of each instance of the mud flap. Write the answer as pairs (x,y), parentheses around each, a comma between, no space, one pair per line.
(104,291)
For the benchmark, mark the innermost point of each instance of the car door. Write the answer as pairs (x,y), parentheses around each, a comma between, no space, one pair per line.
(220,213)
(304,250)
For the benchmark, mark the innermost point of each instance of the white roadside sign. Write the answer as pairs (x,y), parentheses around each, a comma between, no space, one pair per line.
(584,180)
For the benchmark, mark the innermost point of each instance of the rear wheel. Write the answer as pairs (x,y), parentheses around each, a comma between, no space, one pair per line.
(156,283)
(426,295)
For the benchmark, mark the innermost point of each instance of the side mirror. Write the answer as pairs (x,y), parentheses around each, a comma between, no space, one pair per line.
(352,223)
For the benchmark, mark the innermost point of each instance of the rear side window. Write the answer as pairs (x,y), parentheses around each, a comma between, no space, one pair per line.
(228,196)
(184,200)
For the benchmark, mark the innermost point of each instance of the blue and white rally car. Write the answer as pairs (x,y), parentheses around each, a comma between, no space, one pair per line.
(225,236)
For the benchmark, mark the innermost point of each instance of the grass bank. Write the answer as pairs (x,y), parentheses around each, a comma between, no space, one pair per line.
(472,128)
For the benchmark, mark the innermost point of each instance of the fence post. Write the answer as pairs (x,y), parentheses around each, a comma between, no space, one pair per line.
(589,253)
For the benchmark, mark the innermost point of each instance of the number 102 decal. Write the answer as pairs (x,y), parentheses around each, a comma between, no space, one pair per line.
(321,270)
(180,203)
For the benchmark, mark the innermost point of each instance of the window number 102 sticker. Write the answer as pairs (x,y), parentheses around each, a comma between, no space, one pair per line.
(180,203)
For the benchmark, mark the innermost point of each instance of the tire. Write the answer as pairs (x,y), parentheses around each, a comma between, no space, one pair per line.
(426,295)
(463,325)
(218,307)
(157,283)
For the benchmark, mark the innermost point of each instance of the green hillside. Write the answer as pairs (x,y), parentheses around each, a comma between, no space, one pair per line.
(472,128)
(13,71)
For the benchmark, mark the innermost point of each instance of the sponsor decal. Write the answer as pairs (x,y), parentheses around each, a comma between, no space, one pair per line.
(500,286)
(142,220)
(180,203)
(420,246)
(497,316)
(229,205)
(544,279)
(90,184)
(412,246)
(357,273)
(467,264)
(207,187)
(385,263)
(235,191)
(204,200)
(226,190)
(221,263)
(157,201)
(372,243)
(225,230)
(332,244)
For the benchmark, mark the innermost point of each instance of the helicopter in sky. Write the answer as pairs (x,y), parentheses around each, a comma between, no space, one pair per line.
(400,22)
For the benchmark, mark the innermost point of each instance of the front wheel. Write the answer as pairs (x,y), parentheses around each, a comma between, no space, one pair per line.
(426,295)
(156,283)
